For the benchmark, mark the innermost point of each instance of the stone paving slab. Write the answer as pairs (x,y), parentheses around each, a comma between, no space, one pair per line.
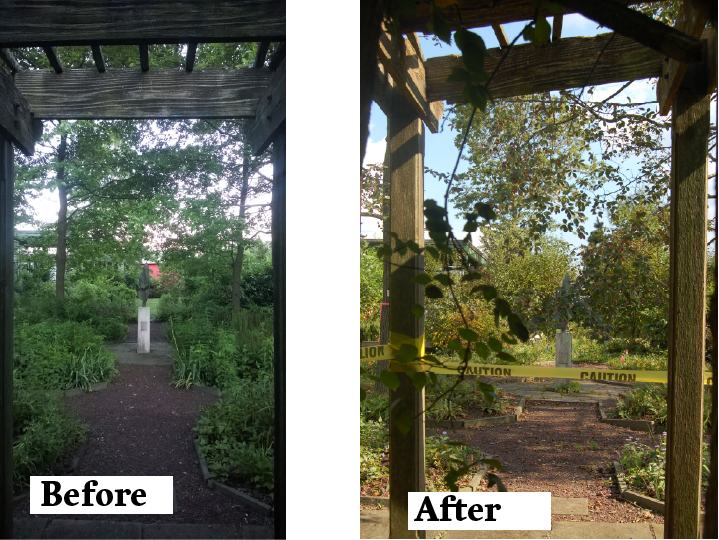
(181,531)
(591,529)
(28,527)
(258,532)
(565,506)
(78,528)
(160,354)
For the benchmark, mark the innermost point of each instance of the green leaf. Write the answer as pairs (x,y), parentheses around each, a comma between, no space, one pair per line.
(455,345)
(444,279)
(473,49)
(363,395)
(485,211)
(432,291)
(495,344)
(494,463)
(487,291)
(503,306)
(432,251)
(542,32)
(403,420)
(422,279)
(432,377)
(493,480)
(482,350)
(555,9)
(508,339)
(406,353)
(418,310)
(472,276)
(389,379)
(419,380)
(506,356)
(469,335)
(440,27)
(517,327)
(414,247)
(459,75)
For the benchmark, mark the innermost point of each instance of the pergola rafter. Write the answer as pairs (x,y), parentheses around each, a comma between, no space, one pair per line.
(255,94)
(640,48)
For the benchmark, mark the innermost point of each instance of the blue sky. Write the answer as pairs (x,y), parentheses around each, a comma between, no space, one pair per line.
(440,150)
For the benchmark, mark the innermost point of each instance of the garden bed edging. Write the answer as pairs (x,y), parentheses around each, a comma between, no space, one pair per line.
(479,422)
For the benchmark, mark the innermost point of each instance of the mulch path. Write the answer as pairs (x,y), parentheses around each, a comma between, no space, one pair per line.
(141,425)
(550,449)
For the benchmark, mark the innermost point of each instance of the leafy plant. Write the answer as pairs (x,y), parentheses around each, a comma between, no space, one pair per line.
(573,387)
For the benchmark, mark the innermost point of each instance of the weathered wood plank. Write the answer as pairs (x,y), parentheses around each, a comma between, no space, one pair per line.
(643,29)
(687,322)
(277,57)
(557,27)
(501,36)
(99,58)
(7,185)
(406,454)
(691,20)
(262,48)
(53,58)
(270,117)
(129,93)
(407,69)
(144,57)
(383,89)
(190,58)
(7,56)
(16,121)
(557,66)
(27,23)
(479,13)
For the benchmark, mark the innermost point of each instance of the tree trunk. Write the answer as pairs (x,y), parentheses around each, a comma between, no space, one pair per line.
(61,255)
(237,263)
(386,239)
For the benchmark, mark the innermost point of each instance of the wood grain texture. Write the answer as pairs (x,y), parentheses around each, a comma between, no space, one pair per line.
(262,48)
(407,68)
(479,13)
(53,58)
(501,36)
(270,116)
(16,121)
(144,57)
(557,27)
(406,161)
(129,93)
(691,20)
(687,323)
(7,56)
(30,23)
(565,64)
(190,58)
(99,58)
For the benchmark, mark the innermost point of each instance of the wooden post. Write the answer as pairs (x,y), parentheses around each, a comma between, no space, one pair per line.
(6,327)
(279,228)
(687,289)
(406,452)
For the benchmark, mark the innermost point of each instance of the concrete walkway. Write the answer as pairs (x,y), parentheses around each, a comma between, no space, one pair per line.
(375,524)
(591,391)
(160,353)
(76,528)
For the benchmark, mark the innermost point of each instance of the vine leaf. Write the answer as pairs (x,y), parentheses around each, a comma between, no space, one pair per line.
(422,279)
(419,380)
(403,420)
(495,344)
(389,379)
(432,291)
(418,310)
(506,356)
(493,480)
(363,395)
(406,353)
(468,334)
(494,463)
(482,350)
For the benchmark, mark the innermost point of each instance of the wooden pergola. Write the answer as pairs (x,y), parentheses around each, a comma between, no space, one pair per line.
(411,91)
(255,94)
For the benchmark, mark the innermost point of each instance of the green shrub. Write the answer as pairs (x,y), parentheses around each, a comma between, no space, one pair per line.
(42,433)
(171,307)
(237,433)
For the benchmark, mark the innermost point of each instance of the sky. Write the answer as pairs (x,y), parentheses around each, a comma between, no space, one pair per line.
(440,149)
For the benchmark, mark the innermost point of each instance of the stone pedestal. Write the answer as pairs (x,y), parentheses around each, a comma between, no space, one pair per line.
(143,330)
(563,354)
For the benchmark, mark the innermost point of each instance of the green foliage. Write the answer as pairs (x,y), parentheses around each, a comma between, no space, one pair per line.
(370,293)
(237,433)
(42,433)
(573,387)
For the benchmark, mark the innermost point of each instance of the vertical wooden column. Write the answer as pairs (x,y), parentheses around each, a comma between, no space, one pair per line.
(279,227)
(406,451)
(6,328)
(687,282)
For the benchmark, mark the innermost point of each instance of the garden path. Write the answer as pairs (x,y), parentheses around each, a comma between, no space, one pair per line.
(141,425)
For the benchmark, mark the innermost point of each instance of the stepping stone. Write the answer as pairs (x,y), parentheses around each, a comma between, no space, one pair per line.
(78,528)
(28,527)
(567,506)
(180,531)
(593,529)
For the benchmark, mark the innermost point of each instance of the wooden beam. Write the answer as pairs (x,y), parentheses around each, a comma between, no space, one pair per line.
(405,65)
(687,322)
(642,28)
(406,451)
(279,267)
(190,58)
(479,13)
(99,58)
(277,57)
(270,117)
(7,56)
(557,27)
(144,58)
(16,121)
(7,185)
(383,89)
(557,66)
(501,36)
(262,48)
(691,20)
(129,22)
(131,94)
(53,58)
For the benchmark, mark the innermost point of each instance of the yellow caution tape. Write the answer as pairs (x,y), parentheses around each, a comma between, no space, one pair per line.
(384,352)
